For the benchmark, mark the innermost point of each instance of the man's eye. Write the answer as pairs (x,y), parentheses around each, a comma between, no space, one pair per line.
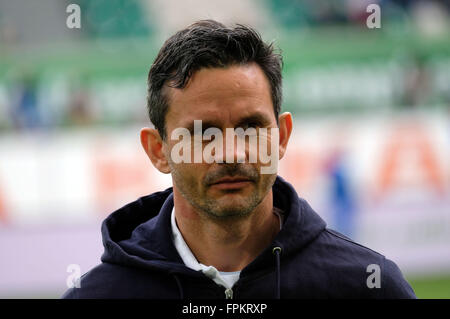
(251,124)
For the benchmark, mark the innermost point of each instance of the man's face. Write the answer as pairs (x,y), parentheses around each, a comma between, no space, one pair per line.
(232,97)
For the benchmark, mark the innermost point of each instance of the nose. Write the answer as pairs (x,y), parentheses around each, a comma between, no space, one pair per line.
(234,147)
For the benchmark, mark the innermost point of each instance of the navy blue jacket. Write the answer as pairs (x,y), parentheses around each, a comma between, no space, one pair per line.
(140,259)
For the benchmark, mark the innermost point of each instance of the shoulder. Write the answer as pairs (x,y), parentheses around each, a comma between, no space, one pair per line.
(341,243)
(334,245)
(109,281)
(393,282)
(367,268)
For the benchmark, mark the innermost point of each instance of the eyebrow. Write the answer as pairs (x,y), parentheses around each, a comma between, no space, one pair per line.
(260,119)
(205,125)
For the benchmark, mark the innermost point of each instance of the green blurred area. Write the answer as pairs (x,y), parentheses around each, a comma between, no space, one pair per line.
(301,50)
(433,287)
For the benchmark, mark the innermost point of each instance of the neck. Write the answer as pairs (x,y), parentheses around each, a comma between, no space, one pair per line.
(231,244)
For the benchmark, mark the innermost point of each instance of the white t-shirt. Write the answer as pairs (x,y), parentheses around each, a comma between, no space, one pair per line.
(225,279)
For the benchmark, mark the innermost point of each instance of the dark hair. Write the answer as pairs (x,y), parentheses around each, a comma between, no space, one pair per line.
(208,44)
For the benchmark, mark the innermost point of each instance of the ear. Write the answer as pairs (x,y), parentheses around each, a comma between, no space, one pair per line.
(285,126)
(153,145)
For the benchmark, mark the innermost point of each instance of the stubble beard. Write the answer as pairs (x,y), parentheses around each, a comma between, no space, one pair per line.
(224,208)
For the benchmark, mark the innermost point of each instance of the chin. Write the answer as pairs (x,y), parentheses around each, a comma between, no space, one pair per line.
(232,212)
(235,207)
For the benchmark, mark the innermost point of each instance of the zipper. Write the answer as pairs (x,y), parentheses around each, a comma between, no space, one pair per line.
(228,293)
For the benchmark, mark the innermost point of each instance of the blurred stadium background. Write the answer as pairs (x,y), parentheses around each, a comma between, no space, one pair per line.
(371,143)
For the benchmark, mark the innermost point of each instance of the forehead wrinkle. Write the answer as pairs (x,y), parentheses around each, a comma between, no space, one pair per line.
(218,108)
(218,97)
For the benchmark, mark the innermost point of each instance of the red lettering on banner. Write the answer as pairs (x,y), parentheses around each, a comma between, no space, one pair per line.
(299,167)
(3,217)
(120,177)
(410,145)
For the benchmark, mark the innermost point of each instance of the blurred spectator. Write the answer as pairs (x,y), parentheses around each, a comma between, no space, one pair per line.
(25,112)
(417,82)
(341,199)
(79,107)
(340,196)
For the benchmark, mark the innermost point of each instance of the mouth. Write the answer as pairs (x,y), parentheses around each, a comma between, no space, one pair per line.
(231,183)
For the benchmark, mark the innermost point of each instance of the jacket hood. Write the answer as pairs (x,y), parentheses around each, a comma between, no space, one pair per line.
(139,234)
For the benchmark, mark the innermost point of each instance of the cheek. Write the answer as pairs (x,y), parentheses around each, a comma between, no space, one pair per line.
(266,181)
(187,174)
